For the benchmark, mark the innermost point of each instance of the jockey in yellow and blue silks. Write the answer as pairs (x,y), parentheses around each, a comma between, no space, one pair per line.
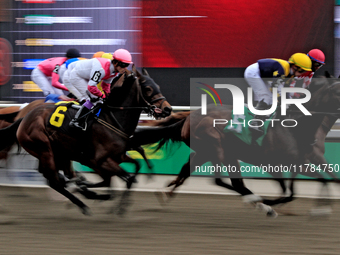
(274,71)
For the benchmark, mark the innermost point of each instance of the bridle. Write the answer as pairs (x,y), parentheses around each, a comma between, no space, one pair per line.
(157,99)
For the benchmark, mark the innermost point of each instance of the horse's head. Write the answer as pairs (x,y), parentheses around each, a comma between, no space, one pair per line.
(152,94)
(327,97)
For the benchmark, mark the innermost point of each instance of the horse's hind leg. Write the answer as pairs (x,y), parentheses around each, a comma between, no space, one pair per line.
(41,149)
(54,184)
(238,183)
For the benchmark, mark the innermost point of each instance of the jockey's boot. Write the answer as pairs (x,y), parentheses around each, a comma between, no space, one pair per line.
(257,124)
(78,121)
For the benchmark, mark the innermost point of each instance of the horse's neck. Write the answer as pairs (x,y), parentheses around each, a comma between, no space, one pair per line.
(307,127)
(127,118)
(328,123)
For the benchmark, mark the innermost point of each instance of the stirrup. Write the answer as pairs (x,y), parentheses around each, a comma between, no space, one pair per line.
(74,123)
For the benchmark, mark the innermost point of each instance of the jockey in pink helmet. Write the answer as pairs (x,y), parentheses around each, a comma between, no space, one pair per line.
(318,60)
(317,57)
(87,74)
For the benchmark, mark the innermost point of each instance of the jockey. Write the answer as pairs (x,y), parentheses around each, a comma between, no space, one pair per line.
(85,75)
(318,60)
(64,67)
(69,65)
(48,70)
(276,70)
(64,73)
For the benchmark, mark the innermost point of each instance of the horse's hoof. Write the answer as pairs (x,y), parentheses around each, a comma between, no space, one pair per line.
(86,211)
(272,214)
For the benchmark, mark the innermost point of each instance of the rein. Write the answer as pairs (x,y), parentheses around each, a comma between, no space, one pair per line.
(113,128)
(149,108)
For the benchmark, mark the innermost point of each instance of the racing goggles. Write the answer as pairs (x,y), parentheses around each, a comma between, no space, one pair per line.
(298,69)
(122,64)
(317,64)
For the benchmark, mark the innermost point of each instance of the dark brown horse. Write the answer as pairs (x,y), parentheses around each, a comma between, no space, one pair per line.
(101,147)
(281,146)
(10,114)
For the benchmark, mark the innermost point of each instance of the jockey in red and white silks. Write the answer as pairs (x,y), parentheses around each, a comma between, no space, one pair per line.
(318,60)
(85,75)
(46,74)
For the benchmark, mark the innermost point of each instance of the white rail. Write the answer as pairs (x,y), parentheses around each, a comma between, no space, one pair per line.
(334,133)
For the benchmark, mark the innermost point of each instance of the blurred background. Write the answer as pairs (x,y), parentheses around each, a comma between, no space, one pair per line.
(176,40)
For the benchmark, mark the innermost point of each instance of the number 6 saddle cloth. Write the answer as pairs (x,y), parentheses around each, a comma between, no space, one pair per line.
(63,113)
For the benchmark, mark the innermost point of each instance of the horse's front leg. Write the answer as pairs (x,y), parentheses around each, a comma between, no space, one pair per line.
(109,168)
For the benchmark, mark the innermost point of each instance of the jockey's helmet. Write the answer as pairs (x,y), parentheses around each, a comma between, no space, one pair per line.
(301,60)
(72,53)
(317,56)
(98,54)
(107,55)
(122,55)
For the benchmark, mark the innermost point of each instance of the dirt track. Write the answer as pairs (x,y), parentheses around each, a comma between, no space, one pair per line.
(31,223)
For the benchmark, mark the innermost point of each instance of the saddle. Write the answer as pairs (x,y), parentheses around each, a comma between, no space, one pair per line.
(64,113)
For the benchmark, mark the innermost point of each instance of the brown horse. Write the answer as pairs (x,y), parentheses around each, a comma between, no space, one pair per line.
(42,134)
(10,114)
(7,115)
(281,146)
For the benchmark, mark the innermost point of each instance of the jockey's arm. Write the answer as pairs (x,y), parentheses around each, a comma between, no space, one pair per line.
(92,87)
(55,80)
(97,73)
(106,85)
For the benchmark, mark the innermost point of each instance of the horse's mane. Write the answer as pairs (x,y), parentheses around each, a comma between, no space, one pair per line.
(120,87)
(318,88)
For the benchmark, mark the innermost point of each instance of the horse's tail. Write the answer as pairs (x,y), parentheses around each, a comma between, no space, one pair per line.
(149,135)
(8,135)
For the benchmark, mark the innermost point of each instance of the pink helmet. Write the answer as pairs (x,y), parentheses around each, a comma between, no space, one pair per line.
(122,56)
(317,55)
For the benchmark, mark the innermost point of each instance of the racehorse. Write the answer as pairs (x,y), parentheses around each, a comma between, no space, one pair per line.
(282,146)
(10,114)
(101,147)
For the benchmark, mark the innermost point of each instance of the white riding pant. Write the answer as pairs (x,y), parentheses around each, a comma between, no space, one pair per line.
(79,84)
(44,82)
(69,85)
(260,88)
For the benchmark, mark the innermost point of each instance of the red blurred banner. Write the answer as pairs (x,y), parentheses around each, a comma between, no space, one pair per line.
(191,33)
